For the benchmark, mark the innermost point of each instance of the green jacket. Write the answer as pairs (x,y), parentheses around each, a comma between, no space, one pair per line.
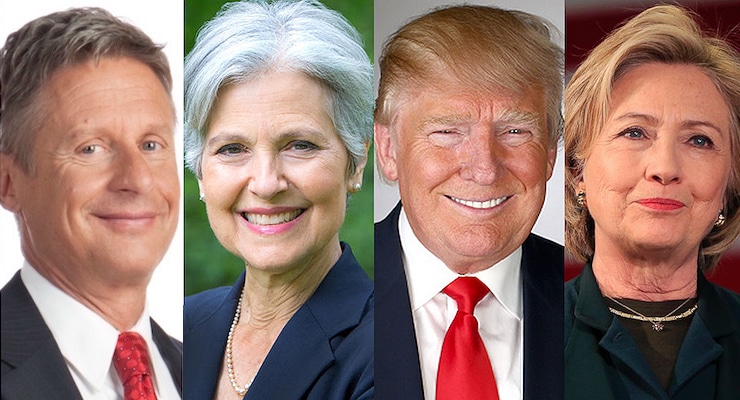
(603,362)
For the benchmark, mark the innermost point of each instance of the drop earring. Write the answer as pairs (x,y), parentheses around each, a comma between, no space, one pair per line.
(581,199)
(720,219)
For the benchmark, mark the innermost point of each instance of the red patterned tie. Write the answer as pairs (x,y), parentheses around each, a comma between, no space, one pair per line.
(131,359)
(464,368)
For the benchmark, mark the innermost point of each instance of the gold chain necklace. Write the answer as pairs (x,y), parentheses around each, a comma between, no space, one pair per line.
(657,322)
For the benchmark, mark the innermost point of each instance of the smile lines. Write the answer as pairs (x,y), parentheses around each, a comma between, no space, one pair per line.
(272,219)
(480,204)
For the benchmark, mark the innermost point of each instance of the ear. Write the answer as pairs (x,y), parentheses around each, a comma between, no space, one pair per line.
(359,170)
(10,173)
(385,150)
(552,156)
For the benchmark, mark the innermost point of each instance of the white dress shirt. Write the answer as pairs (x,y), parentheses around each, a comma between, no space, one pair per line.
(87,341)
(499,313)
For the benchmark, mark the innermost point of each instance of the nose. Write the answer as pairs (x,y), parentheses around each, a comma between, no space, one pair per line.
(480,158)
(133,172)
(663,163)
(266,176)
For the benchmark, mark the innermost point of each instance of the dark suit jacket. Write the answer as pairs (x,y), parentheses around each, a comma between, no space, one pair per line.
(397,369)
(32,364)
(325,351)
(602,361)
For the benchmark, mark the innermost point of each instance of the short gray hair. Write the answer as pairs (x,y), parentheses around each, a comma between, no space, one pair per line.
(43,46)
(248,38)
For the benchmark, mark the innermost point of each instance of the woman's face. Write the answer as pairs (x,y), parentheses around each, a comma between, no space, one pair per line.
(657,172)
(275,173)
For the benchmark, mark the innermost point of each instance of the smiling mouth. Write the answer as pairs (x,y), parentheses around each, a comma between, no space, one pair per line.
(272,219)
(481,205)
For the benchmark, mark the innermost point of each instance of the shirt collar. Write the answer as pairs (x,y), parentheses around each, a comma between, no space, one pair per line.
(85,339)
(427,275)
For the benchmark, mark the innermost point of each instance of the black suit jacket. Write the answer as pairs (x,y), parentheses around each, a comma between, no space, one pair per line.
(397,369)
(32,364)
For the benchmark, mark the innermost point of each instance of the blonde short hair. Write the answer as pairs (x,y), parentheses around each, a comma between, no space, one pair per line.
(663,34)
(485,47)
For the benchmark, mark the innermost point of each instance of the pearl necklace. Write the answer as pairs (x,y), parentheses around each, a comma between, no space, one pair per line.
(657,322)
(229,365)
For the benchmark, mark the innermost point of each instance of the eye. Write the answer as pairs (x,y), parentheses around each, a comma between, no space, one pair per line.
(515,136)
(633,132)
(302,145)
(231,149)
(701,141)
(150,145)
(90,149)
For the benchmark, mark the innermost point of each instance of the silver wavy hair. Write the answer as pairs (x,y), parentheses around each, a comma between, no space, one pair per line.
(248,38)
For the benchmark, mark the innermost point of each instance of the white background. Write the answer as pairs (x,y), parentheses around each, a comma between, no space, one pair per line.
(391,15)
(163,22)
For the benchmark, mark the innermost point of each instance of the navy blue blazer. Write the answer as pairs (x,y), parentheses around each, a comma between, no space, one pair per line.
(397,369)
(32,364)
(325,351)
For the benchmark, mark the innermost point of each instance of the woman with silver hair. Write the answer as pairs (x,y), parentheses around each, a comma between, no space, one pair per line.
(278,120)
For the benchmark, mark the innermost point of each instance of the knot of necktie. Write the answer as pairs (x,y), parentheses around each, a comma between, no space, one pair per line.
(467,291)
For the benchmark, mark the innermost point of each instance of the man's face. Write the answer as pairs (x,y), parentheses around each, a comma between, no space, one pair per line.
(471,167)
(101,202)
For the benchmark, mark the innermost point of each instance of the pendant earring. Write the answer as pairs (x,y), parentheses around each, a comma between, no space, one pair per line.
(581,199)
(202,197)
(358,186)
(720,219)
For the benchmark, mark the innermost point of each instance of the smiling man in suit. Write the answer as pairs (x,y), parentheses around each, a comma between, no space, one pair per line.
(467,121)
(88,167)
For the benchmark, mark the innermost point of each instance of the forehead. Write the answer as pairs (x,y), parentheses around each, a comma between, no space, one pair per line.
(86,92)
(451,101)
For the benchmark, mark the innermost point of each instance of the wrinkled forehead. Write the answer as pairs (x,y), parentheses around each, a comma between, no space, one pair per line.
(450,100)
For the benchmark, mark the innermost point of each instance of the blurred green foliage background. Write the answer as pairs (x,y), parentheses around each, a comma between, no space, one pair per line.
(207,264)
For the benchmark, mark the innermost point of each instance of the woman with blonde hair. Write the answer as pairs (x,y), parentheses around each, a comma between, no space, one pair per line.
(652,142)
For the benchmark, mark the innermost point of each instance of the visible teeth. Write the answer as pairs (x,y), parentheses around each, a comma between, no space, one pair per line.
(480,204)
(272,219)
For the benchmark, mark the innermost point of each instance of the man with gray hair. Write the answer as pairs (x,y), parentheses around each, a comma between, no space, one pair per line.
(88,167)
(467,121)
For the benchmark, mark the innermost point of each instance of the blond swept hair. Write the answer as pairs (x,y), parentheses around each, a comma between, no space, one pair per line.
(664,34)
(484,47)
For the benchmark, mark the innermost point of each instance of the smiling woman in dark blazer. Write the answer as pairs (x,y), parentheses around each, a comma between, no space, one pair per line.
(652,142)
(278,119)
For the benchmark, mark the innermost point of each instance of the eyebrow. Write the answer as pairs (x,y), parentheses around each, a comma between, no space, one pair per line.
(684,124)
(505,116)
(230,136)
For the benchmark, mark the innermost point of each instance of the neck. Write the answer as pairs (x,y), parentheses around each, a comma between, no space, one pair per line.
(120,305)
(271,298)
(645,279)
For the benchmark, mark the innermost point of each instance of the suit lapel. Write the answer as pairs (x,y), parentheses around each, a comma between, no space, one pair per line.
(203,361)
(171,351)
(397,369)
(33,366)
(542,277)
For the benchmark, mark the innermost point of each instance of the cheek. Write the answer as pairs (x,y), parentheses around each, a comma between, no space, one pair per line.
(221,186)
(425,167)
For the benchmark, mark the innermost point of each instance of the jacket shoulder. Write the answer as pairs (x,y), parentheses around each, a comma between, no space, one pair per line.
(201,306)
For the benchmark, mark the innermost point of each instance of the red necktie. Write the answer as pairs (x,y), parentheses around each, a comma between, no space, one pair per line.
(464,368)
(131,360)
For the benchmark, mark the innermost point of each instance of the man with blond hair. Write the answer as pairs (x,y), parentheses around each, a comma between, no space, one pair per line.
(467,121)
